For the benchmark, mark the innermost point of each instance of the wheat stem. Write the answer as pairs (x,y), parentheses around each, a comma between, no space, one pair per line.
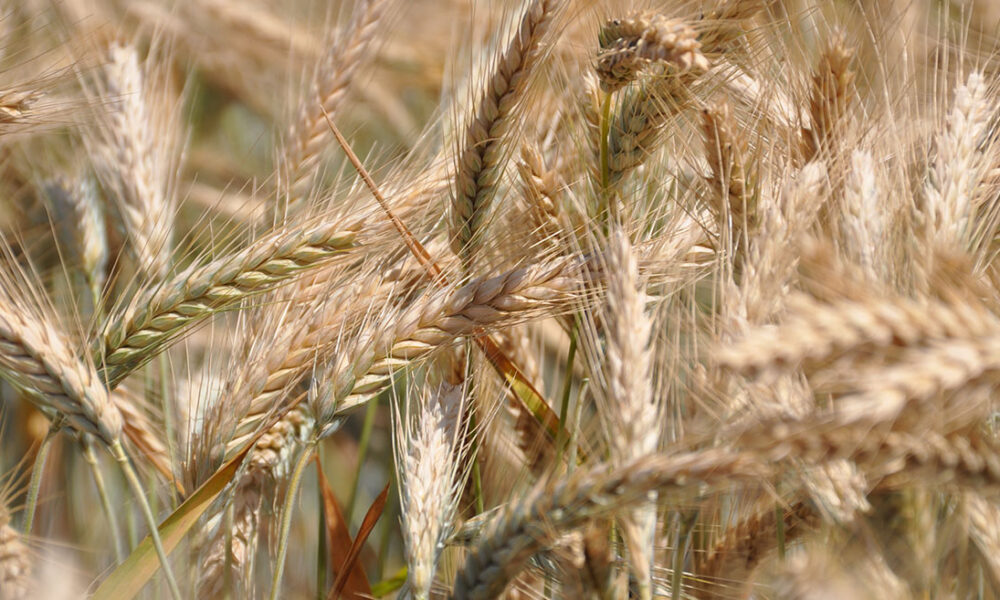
(37,470)
(288,509)
(154,534)
(102,492)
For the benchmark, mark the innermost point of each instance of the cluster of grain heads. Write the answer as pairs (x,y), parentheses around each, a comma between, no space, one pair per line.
(685,300)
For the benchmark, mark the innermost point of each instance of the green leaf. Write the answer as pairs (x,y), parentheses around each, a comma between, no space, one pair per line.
(128,579)
(388,586)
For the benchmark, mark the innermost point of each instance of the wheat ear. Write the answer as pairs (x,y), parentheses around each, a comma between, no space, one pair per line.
(629,409)
(482,154)
(864,220)
(733,198)
(724,22)
(637,127)
(15,563)
(129,163)
(629,43)
(377,352)
(955,171)
(80,212)
(429,483)
(744,545)
(548,511)
(541,189)
(310,134)
(36,358)
(153,319)
(830,98)
(815,332)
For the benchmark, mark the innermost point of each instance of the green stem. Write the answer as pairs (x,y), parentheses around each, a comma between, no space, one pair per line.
(37,470)
(102,492)
(168,416)
(154,534)
(561,438)
(322,552)
(286,517)
(366,434)
(574,440)
(476,474)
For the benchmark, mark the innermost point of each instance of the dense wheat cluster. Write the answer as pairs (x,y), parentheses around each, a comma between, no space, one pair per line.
(471,299)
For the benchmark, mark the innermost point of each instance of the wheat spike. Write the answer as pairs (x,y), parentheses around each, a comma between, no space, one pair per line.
(36,358)
(536,521)
(81,223)
(628,44)
(153,319)
(482,154)
(429,485)
(629,408)
(955,171)
(310,134)
(128,151)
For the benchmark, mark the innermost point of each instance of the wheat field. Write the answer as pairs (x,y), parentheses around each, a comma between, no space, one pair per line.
(528,299)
